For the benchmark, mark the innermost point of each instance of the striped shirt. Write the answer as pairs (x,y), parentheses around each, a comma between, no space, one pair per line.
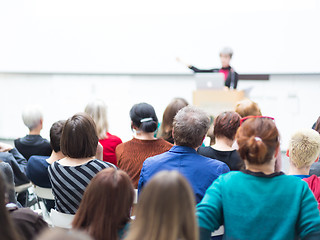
(70,182)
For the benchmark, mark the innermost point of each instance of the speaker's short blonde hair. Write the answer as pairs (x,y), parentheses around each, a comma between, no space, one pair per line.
(304,147)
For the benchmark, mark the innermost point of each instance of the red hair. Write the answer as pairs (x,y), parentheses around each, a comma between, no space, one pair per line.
(226,125)
(258,139)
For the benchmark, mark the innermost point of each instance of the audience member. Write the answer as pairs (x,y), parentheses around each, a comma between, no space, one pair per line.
(7,173)
(98,111)
(190,126)
(37,167)
(247,108)
(33,143)
(7,229)
(315,167)
(16,161)
(167,120)
(165,210)
(131,154)
(104,211)
(70,176)
(304,149)
(225,127)
(278,206)
(63,234)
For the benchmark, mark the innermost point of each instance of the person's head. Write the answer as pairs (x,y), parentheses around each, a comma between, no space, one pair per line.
(317,125)
(98,111)
(247,108)
(143,118)
(304,148)
(106,204)
(32,117)
(225,56)
(6,230)
(165,210)
(79,137)
(258,140)
(63,234)
(226,125)
(55,135)
(190,126)
(169,113)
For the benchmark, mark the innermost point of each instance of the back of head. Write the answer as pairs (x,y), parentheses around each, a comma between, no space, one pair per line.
(62,234)
(226,125)
(106,204)
(190,126)
(143,116)
(98,111)
(55,135)
(317,125)
(304,148)
(79,137)
(258,139)
(169,113)
(6,230)
(247,108)
(32,116)
(166,210)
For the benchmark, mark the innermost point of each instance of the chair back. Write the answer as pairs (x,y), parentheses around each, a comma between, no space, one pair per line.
(45,193)
(61,220)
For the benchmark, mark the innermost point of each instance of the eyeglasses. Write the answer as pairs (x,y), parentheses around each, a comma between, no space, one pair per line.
(249,117)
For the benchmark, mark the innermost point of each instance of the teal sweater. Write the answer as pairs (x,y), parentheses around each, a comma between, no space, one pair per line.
(259,207)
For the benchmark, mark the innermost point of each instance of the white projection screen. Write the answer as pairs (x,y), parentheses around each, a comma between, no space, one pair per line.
(146,36)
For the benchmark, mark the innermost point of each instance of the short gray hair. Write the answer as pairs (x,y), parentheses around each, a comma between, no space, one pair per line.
(190,126)
(227,51)
(32,116)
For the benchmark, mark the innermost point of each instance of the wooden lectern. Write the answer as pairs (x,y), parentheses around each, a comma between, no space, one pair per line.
(217,101)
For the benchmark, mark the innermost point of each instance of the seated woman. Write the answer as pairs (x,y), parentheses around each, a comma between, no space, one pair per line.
(168,116)
(70,175)
(165,210)
(225,128)
(98,111)
(258,203)
(104,211)
(131,154)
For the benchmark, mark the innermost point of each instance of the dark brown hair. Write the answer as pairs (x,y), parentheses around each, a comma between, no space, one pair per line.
(7,231)
(106,204)
(167,120)
(165,210)
(258,139)
(55,135)
(79,137)
(317,125)
(226,125)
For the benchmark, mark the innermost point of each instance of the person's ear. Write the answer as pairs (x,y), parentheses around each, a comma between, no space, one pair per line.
(172,133)
(287,153)
(277,152)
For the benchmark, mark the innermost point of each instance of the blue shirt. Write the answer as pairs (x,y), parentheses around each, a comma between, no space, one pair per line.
(302,176)
(37,171)
(200,171)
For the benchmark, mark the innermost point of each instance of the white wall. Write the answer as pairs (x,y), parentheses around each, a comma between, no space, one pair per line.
(291,99)
(269,36)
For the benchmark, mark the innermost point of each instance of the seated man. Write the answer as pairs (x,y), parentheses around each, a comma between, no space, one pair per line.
(190,126)
(304,149)
(37,167)
(33,144)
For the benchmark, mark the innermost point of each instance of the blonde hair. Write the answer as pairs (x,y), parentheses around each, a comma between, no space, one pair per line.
(304,148)
(247,108)
(97,109)
(165,210)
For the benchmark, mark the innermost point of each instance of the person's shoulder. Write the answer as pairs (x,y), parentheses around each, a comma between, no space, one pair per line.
(101,164)
(114,137)
(37,158)
(165,144)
